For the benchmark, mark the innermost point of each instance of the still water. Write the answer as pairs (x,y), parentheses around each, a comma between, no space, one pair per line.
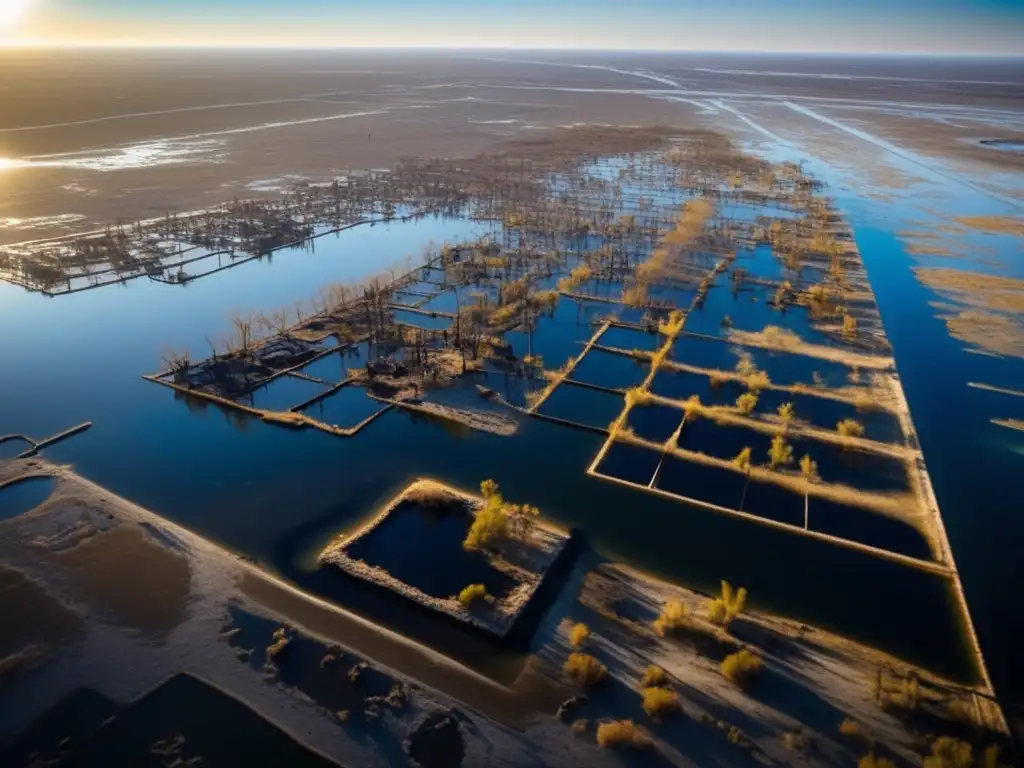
(278,495)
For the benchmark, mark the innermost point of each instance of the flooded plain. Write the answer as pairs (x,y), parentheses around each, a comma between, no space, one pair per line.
(277,496)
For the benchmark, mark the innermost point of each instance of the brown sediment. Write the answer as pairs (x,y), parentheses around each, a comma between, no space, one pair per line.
(772,337)
(482,421)
(1010,423)
(988,309)
(1000,390)
(531,694)
(1005,225)
(830,678)
(135,582)
(1004,294)
(35,622)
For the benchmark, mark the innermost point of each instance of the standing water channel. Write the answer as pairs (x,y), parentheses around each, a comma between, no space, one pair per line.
(277,495)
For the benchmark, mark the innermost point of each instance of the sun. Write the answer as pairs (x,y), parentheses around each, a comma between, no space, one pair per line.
(11,11)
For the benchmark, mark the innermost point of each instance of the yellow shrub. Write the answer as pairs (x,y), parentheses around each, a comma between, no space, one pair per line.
(809,469)
(660,701)
(948,752)
(653,676)
(780,454)
(671,618)
(692,407)
(757,381)
(746,403)
(850,728)
(722,610)
(472,593)
(578,635)
(786,412)
(742,460)
(741,667)
(584,668)
(673,325)
(850,428)
(622,733)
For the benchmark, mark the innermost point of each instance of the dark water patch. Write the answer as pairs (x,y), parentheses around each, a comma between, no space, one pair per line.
(428,288)
(24,495)
(629,462)
(703,435)
(583,405)
(704,353)
(407,299)
(417,320)
(1005,145)
(555,337)
(347,407)
(326,674)
(335,368)
(437,742)
(680,385)
(629,338)
(512,387)
(749,310)
(285,392)
(75,717)
(826,413)
(186,718)
(675,296)
(443,302)
(422,547)
(713,485)
(608,369)
(654,422)
(761,262)
(14,447)
(849,466)
(783,368)
(769,501)
(867,527)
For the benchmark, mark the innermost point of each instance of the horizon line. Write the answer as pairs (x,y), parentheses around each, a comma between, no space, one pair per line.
(37,44)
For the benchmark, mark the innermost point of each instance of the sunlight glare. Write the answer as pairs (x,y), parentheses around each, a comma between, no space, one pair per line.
(11,11)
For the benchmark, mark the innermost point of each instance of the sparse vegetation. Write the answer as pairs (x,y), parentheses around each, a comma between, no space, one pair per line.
(757,381)
(578,635)
(658,702)
(471,594)
(742,460)
(741,667)
(948,752)
(584,669)
(780,454)
(849,326)
(692,407)
(497,519)
(809,469)
(851,729)
(786,411)
(671,618)
(730,604)
(871,760)
(673,325)
(850,428)
(622,733)
(653,676)
(746,403)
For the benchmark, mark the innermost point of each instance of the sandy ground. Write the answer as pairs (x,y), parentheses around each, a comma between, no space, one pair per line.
(85,607)
(87,137)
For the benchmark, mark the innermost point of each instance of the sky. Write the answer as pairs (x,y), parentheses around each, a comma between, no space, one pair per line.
(976,27)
